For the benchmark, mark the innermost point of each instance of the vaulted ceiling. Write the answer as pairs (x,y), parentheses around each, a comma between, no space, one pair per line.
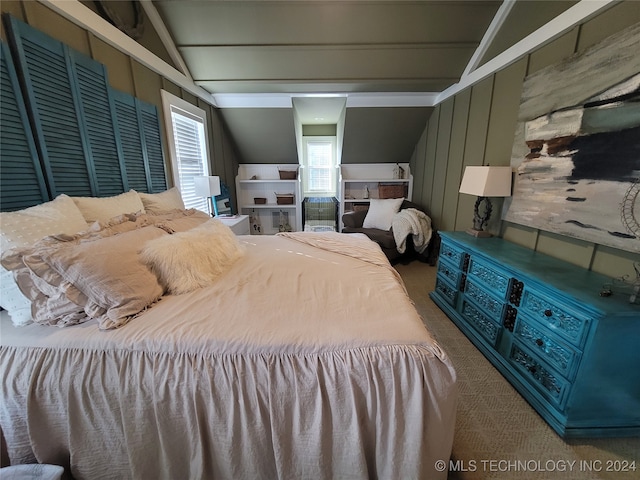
(356,46)
(255,56)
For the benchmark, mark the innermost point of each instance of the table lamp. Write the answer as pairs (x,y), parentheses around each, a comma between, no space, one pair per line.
(485,181)
(208,186)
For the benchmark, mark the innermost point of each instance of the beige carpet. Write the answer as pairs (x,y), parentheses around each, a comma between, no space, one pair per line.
(498,435)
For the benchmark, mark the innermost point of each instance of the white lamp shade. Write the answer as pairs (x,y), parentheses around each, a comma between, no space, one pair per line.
(207,186)
(487,181)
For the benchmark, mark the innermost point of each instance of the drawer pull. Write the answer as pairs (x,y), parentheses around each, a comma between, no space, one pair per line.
(510,318)
(539,342)
(532,369)
(548,313)
(446,272)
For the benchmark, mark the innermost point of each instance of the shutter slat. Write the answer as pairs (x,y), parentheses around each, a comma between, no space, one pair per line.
(21,177)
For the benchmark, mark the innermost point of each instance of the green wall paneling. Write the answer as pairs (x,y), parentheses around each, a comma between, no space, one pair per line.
(456,158)
(428,175)
(474,144)
(441,159)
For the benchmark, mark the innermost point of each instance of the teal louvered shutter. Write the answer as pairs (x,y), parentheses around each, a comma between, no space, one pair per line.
(42,64)
(97,120)
(153,143)
(68,99)
(21,176)
(131,141)
(141,143)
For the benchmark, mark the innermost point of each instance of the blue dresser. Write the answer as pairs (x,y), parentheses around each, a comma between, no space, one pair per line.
(573,354)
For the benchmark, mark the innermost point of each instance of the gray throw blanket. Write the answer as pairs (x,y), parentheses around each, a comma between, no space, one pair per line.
(411,222)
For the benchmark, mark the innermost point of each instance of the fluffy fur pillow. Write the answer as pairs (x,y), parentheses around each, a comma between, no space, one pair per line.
(186,261)
(381,212)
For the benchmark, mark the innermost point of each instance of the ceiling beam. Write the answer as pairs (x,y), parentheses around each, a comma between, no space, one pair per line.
(575,15)
(165,36)
(494,27)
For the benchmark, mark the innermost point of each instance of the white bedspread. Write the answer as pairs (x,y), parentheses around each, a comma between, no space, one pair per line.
(299,363)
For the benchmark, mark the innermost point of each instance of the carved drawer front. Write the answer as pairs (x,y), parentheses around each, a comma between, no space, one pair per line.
(448,292)
(546,381)
(554,351)
(561,320)
(451,253)
(483,324)
(485,300)
(495,281)
(450,272)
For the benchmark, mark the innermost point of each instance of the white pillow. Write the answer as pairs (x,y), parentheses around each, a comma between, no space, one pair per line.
(381,213)
(25,228)
(186,261)
(163,201)
(104,208)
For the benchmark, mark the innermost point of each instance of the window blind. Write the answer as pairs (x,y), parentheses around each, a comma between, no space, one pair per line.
(188,136)
(320,168)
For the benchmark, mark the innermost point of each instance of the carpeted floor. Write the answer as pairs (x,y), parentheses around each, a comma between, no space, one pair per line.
(498,435)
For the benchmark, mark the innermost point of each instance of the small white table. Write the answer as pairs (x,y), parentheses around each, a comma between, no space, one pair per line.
(239,224)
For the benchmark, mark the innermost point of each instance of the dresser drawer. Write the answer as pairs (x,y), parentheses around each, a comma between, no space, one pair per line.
(545,380)
(480,322)
(447,292)
(449,271)
(452,253)
(550,348)
(486,274)
(490,304)
(569,324)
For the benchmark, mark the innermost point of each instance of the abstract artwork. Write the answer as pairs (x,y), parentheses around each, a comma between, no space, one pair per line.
(576,152)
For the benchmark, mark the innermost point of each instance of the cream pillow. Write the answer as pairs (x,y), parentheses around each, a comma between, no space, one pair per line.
(104,208)
(43,286)
(24,228)
(193,259)
(381,212)
(106,275)
(163,201)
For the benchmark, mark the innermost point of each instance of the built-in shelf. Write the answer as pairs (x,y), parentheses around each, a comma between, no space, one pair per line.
(268,218)
(356,179)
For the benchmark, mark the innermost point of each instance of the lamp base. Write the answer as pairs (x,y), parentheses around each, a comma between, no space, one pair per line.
(479,233)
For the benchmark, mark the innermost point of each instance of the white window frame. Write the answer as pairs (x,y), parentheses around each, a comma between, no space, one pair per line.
(333,168)
(172,104)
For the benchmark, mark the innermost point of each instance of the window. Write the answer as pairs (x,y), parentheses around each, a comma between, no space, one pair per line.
(319,172)
(188,147)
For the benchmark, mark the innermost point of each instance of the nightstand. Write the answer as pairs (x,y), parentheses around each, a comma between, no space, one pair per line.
(239,224)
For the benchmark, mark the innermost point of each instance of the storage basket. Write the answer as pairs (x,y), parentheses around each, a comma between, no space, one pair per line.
(392,190)
(358,207)
(259,200)
(288,174)
(284,198)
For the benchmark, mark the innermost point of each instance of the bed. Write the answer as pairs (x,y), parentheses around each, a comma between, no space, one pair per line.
(303,358)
